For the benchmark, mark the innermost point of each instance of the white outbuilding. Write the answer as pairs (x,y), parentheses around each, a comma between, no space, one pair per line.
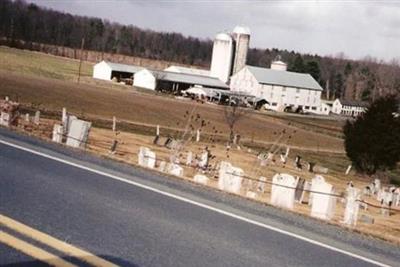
(174,82)
(281,88)
(106,70)
(349,107)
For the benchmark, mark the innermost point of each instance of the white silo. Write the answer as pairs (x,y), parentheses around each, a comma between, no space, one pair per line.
(221,61)
(241,36)
(278,65)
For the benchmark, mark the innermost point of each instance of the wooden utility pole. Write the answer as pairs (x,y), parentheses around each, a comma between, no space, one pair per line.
(80,60)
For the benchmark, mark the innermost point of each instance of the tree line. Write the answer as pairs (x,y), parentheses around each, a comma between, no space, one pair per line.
(363,80)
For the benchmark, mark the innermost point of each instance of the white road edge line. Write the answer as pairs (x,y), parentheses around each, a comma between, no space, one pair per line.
(205,206)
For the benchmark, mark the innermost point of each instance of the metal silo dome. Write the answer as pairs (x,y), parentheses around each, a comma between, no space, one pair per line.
(241,30)
(223,37)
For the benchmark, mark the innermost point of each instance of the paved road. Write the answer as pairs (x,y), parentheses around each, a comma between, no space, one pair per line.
(133,226)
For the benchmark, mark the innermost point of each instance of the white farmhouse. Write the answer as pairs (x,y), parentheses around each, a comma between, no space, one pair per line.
(349,107)
(280,88)
(106,70)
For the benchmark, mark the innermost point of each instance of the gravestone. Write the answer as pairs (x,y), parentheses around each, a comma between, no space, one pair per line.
(146,157)
(283,190)
(57,133)
(322,203)
(230,178)
(261,184)
(162,166)
(352,206)
(78,133)
(189,158)
(175,169)
(36,119)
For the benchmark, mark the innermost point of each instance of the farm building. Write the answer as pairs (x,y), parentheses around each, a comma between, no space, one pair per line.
(349,107)
(281,88)
(186,70)
(174,82)
(105,70)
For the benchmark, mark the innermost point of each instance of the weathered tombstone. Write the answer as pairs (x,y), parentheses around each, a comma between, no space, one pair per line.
(322,203)
(282,190)
(201,179)
(203,161)
(230,178)
(189,158)
(158,130)
(57,133)
(64,120)
(175,169)
(311,166)
(146,158)
(352,206)
(27,117)
(298,164)
(78,133)
(5,119)
(36,119)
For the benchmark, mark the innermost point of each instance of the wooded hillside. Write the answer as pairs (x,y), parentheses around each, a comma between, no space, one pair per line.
(357,80)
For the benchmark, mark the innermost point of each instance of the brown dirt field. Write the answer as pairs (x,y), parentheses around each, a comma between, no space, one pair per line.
(107,99)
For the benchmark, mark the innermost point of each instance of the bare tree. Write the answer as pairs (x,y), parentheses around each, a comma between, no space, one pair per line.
(233,114)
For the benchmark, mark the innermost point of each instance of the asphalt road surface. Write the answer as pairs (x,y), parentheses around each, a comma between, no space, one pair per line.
(132,217)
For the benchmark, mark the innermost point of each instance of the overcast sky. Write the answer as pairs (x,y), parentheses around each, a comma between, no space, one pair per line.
(355,28)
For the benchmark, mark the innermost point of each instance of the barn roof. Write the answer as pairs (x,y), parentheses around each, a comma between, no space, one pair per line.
(284,78)
(123,67)
(189,79)
(187,70)
(353,103)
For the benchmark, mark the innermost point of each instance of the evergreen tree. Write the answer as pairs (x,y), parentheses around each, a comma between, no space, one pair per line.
(298,64)
(312,67)
(372,141)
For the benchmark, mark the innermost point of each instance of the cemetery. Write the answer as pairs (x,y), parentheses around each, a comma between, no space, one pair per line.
(277,175)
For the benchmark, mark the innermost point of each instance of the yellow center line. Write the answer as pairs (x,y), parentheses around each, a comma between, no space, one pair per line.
(55,243)
(33,251)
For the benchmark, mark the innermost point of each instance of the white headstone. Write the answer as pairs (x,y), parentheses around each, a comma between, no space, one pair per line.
(201,179)
(57,133)
(175,169)
(78,133)
(189,158)
(27,117)
(158,130)
(322,203)
(5,119)
(146,157)
(352,206)
(282,190)
(203,160)
(230,178)
(36,119)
